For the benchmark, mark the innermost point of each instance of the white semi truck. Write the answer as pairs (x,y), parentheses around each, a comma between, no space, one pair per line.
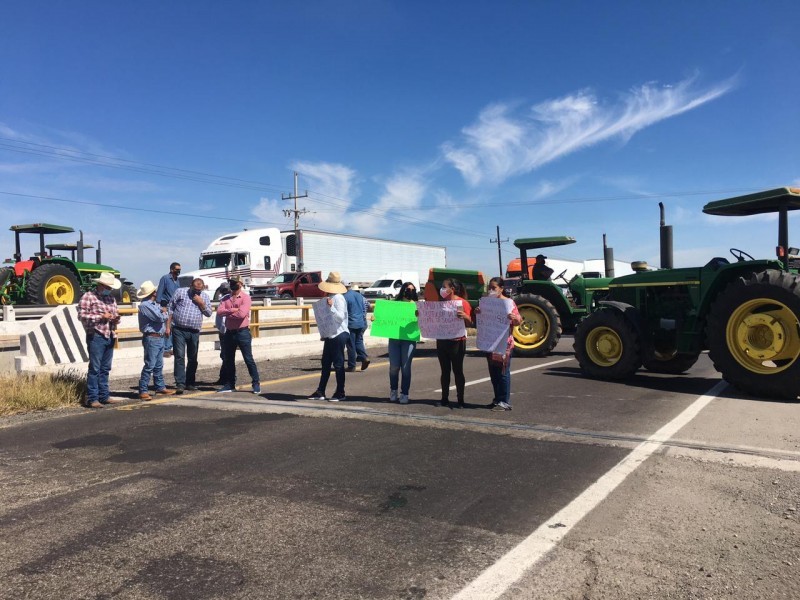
(258,255)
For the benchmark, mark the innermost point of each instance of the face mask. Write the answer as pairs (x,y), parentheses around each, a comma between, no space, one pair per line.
(444,292)
(410,294)
(495,293)
(235,286)
(106,292)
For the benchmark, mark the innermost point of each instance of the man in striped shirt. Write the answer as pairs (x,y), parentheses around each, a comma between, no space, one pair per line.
(98,312)
(187,308)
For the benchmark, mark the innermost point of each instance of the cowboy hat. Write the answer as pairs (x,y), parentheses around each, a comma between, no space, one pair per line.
(333,284)
(147,289)
(108,280)
(355,287)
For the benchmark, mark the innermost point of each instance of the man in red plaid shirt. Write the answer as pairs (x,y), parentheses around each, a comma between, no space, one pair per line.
(98,313)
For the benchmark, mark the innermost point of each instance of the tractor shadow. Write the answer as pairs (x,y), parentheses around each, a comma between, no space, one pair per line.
(659,382)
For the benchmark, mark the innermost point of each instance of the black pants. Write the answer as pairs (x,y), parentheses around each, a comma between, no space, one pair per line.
(451,355)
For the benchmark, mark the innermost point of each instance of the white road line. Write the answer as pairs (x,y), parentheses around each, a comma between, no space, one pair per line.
(477,381)
(495,580)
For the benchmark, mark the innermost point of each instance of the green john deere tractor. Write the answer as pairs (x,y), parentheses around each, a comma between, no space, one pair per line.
(746,313)
(49,279)
(545,308)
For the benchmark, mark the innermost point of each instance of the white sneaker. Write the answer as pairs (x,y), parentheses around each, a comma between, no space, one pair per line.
(403,398)
(392,395)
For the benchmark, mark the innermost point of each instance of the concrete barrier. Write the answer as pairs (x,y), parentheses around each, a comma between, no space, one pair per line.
(58,338)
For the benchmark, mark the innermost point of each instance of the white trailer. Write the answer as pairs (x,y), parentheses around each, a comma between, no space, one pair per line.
(358,259)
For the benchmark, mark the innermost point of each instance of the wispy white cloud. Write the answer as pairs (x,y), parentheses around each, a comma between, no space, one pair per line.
(402,191)
(505,141)
(334,190)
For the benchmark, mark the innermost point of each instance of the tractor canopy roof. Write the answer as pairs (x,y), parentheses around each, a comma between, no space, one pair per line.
(543,242)
(753,204)
(41,228)
(66,246)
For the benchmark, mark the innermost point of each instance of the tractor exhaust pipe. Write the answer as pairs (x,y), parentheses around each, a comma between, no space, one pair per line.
(608,258)
(666,241)
(97,253)
(80,246)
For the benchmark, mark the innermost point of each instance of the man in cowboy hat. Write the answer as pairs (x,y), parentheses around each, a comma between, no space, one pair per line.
(153,325)
(333,348)
(98,312)
(357,309)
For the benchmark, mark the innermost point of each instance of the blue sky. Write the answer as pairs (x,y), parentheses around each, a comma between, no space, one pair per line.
(420,121)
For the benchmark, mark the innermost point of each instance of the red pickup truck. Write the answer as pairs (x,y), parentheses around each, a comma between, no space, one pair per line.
(291,285)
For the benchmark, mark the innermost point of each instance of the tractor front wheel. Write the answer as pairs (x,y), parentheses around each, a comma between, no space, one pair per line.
(125,294)
(753,334)
(540,329)
(607,345)
(52,284)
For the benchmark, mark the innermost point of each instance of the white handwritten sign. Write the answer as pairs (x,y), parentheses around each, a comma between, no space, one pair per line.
(438,320)
(493,324)
(326,324)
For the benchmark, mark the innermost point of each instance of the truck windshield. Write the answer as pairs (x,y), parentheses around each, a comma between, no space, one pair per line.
(284,278)
(214,261)
(382,283)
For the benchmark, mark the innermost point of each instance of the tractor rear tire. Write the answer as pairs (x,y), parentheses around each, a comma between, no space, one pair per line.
(126,294)
(52,284)
(607,345)
(672,365)
(753,334)
(540,329)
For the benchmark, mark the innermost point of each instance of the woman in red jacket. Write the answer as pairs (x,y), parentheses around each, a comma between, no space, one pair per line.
(451,352)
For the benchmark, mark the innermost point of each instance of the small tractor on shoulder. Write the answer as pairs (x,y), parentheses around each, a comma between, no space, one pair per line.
(48,279)
(546,309)
(746,313)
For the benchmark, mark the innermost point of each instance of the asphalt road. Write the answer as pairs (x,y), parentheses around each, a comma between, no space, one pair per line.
(665,487)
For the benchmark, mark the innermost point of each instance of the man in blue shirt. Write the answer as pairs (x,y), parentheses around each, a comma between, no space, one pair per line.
(186,309)
(167,286)
(153,325)
(357,309)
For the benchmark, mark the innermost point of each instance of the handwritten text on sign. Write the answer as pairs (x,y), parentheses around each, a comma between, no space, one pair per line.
(493,324)
(326,324)
(395,320)
(438,320)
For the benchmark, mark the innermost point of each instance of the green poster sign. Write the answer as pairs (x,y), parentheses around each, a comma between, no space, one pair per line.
(396,320)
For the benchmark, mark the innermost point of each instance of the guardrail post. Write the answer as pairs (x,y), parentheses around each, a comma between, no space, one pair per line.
(306,326)
(254,328)
(8,314)
(268,302)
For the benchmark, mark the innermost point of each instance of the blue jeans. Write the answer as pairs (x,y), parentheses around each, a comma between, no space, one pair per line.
(153,363)
(185,345)
(101,353)
(501,381)
(333,354)
(355,347)
(401,353)
(242,339)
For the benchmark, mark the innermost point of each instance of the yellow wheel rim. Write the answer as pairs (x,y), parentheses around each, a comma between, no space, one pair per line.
(126,297)
(604,346)
(763,335)
(535,326)
(59,290)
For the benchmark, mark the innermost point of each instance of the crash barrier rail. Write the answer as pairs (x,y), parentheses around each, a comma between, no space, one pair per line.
(256,324)
(11,313)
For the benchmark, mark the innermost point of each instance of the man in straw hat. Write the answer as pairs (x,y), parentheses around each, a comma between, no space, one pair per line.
(153,325)
(333,349)
(98,312)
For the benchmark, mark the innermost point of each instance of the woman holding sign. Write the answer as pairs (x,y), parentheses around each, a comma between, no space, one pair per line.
(500,362)
(401,353)
(451,352)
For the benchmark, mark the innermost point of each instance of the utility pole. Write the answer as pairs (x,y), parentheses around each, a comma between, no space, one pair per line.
(498,241)
(296,213)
